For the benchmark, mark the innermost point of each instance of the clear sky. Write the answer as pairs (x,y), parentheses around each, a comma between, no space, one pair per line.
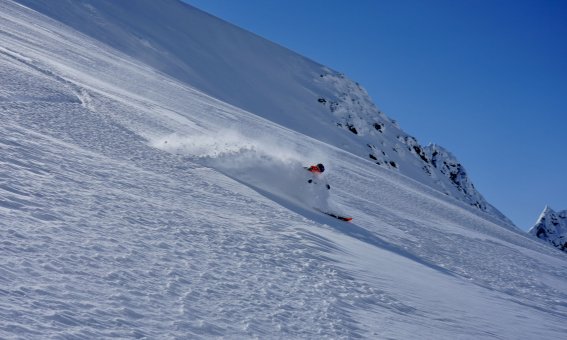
(486,79)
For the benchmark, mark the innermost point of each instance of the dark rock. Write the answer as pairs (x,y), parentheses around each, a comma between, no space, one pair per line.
(352,129)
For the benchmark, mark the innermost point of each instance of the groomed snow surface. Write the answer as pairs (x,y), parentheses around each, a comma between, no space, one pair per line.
(134,206)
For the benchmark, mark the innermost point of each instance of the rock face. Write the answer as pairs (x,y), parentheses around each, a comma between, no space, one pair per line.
(552,227)
(455,172)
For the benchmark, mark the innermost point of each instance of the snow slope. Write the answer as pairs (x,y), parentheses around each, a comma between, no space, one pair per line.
(259,76)
(551,227)
(133,205)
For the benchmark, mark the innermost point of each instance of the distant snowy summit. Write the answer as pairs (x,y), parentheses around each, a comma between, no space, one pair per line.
(552,227)
(266,79)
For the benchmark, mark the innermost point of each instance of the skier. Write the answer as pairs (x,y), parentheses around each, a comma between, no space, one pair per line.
(323,207)
(317,171)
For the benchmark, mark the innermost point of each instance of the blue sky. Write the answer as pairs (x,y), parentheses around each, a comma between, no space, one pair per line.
(486,79)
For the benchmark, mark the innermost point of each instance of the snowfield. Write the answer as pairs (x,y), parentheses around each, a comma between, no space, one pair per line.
(133,205)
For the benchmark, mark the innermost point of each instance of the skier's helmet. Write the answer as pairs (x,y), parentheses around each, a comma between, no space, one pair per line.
(321,167)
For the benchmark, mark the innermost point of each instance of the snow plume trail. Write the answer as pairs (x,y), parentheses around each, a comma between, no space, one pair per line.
(263,162)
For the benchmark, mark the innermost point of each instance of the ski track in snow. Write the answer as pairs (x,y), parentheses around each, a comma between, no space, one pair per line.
(106,232)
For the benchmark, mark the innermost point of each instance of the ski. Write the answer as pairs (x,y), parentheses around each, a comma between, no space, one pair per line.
(339,217)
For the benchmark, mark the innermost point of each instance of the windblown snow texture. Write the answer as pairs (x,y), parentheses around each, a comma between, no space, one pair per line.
(551,227)
(135,205)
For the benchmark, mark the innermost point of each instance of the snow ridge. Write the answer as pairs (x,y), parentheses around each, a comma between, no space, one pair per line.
(390,147)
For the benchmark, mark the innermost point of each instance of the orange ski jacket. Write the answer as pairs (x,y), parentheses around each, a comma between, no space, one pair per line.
(314,168)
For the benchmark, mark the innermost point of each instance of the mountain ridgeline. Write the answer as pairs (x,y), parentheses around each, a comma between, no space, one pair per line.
(252,73)
(389,146)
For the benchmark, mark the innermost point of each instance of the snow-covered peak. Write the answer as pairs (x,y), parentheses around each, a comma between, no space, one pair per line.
(551,226)
(546,211)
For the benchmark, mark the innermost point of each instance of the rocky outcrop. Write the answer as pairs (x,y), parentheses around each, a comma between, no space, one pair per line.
(390,147)
(551,227)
